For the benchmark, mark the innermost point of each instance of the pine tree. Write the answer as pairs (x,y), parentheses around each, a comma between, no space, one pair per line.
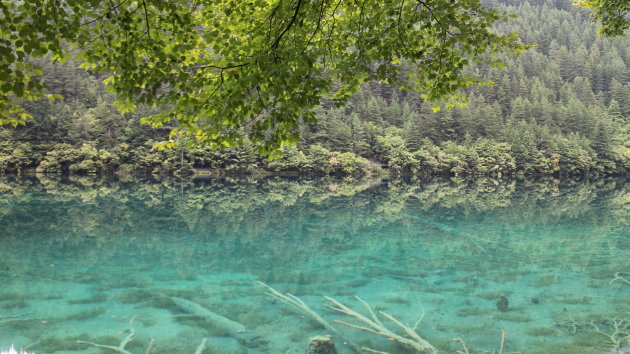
(621,94)
(414,131)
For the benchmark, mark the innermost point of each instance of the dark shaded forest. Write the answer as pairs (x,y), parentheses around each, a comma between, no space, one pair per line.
(562,108)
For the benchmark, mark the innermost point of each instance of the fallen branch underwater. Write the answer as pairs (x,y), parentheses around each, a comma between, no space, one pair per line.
(16,318)
(201,346)
(473,239)
(619,336)
(132,334)
(377,327)
(619,278)
(233,328)
(298,304)
(121,347)
(415,341)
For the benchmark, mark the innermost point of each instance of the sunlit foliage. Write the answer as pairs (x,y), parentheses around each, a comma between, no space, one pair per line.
(234,70)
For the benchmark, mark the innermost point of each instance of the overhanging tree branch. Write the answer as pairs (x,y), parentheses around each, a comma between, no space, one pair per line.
(291,22)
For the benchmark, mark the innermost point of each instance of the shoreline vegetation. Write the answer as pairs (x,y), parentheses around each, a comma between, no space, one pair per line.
(560,109)
(470,159)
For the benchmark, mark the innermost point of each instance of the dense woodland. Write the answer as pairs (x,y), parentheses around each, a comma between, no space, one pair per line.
(562,108)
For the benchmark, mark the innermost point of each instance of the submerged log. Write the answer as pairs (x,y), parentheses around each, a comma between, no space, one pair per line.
(121,347)
(432,223)
(233,328)
(298,304)
(15,318)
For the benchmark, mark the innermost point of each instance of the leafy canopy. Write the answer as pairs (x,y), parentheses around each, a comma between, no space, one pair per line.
(613,15)
(231,70)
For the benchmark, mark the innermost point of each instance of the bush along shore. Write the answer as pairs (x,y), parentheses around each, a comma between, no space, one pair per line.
(478,157)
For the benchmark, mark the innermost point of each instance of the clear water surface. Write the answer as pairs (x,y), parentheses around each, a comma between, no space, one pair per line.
(91,259)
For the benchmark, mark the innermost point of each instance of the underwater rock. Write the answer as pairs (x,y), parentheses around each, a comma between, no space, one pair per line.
(321,345)
(502,304)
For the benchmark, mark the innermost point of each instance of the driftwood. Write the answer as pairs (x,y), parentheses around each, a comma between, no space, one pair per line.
(375,326)
(618,336)
(461,341)
(201,346)
(502,346)
(16,318)
(473,239)
(132,333)
(372,324)
(121,347)
(233,328)
(619,278)
(298,304)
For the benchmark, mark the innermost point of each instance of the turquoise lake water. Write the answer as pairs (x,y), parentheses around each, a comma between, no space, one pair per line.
(82,257)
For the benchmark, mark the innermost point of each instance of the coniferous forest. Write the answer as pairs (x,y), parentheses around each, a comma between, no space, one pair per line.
(561,108)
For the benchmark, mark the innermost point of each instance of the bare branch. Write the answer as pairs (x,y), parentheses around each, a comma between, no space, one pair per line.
(297,303)
(201,346)
(121,347)
(416,342)
(146,18)
(618,277)
(295,15)
(461,341)
(110,10)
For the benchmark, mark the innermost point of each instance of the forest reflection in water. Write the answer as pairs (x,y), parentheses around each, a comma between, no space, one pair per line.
(80,256)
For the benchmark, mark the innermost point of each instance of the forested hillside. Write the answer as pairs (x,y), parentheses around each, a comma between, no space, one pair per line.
(561,108)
